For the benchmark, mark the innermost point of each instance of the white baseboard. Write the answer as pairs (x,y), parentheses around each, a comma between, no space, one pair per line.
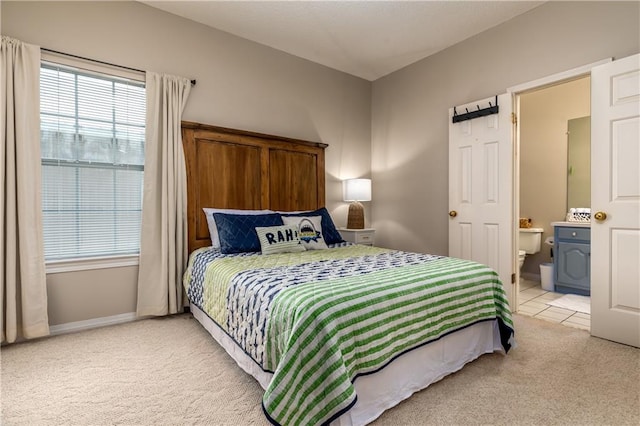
(71,327)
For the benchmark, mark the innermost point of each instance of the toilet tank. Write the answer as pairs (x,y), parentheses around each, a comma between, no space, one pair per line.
(530,239)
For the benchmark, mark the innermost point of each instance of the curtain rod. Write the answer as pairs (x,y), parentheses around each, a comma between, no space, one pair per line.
(193,82)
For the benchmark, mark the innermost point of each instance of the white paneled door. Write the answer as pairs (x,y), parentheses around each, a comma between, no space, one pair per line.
(480,188)
(615,201)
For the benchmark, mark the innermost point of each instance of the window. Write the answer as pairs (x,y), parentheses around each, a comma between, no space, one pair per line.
(92,138)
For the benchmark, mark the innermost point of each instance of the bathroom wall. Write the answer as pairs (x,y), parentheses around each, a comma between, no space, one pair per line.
(543,157)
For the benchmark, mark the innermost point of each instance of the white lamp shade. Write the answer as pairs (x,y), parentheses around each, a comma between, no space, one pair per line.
(357,189)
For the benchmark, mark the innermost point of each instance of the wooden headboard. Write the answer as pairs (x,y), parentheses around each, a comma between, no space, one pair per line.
(236,169)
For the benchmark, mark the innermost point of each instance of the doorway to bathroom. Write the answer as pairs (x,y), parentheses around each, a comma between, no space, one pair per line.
(554,179)
(613,233)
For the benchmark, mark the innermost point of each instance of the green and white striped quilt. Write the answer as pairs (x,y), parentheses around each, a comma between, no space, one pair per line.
(319,319)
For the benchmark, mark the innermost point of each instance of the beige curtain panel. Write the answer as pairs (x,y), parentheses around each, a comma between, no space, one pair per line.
(163,244)
(23,296)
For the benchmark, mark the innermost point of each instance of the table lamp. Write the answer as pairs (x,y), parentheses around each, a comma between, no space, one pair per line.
(356,190)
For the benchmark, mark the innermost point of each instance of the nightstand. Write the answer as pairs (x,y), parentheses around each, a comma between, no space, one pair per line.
(358,236)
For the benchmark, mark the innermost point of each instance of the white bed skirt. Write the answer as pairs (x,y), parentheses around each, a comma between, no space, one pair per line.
(407,374)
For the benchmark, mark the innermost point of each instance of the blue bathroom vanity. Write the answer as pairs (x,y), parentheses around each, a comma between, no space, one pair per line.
(572,257)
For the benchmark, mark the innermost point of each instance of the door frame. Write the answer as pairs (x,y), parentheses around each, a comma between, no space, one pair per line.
(515,92)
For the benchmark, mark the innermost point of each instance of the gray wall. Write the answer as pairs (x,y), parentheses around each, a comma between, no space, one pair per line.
(241,84)
(410,107)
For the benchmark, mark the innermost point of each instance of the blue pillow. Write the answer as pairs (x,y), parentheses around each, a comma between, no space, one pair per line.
(238,232)
(329,231)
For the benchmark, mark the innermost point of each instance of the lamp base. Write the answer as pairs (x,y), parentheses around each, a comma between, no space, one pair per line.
(355,219)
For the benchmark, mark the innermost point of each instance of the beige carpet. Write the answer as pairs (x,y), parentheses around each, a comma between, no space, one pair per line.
(169,371)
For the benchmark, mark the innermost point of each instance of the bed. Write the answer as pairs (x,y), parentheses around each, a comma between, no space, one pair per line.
(335,333)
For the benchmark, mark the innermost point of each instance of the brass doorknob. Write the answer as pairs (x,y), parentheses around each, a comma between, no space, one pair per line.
(600,216)
(453,213)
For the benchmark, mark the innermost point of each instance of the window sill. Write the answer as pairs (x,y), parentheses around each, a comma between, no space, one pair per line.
(88,264)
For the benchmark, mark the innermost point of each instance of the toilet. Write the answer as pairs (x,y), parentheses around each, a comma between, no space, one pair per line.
(521,255)
(529,243)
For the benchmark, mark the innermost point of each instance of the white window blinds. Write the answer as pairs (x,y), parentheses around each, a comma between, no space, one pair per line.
(92,138)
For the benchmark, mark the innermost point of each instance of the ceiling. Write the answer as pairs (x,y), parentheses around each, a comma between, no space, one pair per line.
(368,39)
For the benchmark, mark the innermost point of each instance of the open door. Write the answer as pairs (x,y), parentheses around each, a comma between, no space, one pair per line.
(615,201)
(480,188)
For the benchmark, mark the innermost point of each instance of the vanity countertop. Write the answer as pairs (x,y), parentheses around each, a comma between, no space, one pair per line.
(573,224)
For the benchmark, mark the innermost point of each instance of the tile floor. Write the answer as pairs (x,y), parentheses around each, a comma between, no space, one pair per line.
(532,302)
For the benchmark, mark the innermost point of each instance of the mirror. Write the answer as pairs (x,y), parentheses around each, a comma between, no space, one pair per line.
(579,163)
